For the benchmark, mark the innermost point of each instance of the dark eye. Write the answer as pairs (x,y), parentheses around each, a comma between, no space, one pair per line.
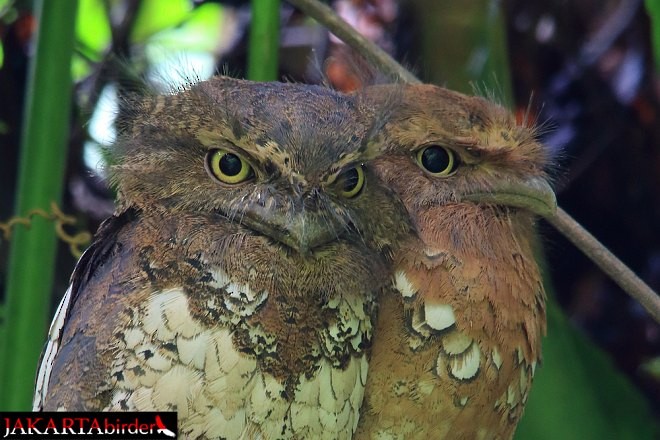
(439,161)
(228,167)
(351,181)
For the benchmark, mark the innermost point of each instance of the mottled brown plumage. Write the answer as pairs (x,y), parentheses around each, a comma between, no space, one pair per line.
(237,281)
(458,338)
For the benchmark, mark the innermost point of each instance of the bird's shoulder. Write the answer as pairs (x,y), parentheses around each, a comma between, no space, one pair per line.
(97,257)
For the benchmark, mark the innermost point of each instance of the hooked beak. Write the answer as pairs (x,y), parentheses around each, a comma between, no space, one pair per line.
(533,194)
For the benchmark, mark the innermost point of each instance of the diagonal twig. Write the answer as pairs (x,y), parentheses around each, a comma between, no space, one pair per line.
(607,261)
(564,223)
(371,52)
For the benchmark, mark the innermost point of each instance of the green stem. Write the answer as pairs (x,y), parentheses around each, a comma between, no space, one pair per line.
(264,40)
(40,181)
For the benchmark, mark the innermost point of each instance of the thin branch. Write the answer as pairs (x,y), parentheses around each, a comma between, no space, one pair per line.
(372,53)
(607,261)
(580,237)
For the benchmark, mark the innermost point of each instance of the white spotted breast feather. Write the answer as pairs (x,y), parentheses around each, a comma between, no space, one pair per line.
(196,341)
(455,380)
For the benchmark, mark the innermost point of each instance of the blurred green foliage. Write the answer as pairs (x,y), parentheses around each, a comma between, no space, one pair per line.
(161,31)
(653,9)
(199,30)
(5,9)
(155,16)
(579,394)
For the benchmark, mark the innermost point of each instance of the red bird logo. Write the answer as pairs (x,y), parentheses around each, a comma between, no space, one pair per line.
(162,429)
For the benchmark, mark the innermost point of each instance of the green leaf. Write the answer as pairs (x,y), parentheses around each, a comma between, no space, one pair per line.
(80,67)
(652,368)
(579,394)
(187,51)
(156,15)
(8,13)
(201,31)
(653,9)
(93,36)
(5,6)
(93,31)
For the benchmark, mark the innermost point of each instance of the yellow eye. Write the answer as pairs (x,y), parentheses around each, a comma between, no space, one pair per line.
(228,167)
(437,160)
(351,181)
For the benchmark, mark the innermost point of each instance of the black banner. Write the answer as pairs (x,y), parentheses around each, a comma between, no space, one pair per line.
(77,425)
